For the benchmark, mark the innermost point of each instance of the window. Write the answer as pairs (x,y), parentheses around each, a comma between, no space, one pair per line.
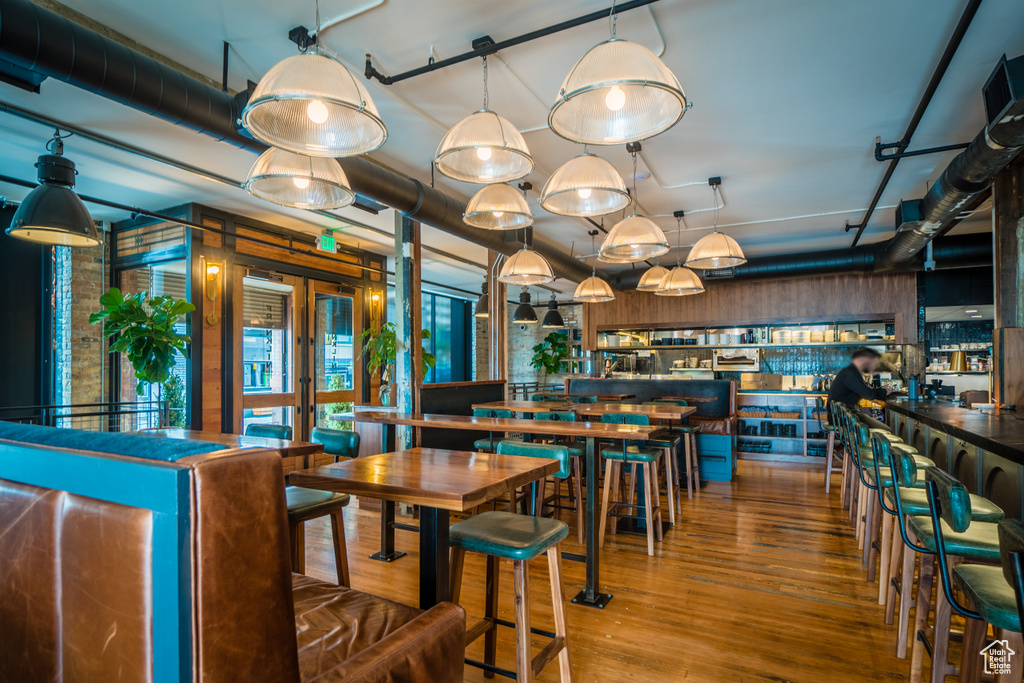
(449,322)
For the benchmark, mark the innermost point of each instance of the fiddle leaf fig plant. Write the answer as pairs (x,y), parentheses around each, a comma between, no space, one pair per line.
(382,347)
(551,353)
(144,331)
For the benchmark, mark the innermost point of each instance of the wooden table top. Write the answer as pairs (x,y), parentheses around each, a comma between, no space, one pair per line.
(598,430)
(530,407)
(287,448)
(434,477)
(662,411)
(690,399)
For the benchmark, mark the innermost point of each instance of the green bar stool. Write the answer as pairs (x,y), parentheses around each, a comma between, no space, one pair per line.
(545,397)
(519,538)
(269,431)
(690,460)
(577,451)
(583,399)
(636,456)
(830,430)
(669,442)
(948,535)
(339,443)
(307,504)
(487,445)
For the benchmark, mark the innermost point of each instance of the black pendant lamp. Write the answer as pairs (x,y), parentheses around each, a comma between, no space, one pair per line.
(553,319)
(481,310)
(524,312)
(52,213)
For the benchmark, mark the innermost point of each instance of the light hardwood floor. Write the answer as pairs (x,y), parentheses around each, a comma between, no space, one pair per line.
(759,580)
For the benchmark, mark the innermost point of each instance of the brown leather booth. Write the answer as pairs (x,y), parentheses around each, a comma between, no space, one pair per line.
(79,574)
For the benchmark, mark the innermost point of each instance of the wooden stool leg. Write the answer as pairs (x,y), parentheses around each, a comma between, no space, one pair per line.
(558,609)
(696,462)
(885,544)
(578,483)
(906,597)
(456,561)
(924,598)
(940,643)
(491,613)
(895,559)
(872,533)
(1015,643)
(524,661)
(669,454)
(340,551)
(689,466)
(608,476)
(828,459)
(297,536)
(649,492)
(847,479)
(971,658)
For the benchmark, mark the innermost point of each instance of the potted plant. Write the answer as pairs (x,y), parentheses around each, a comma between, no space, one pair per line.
(551,353)
(382,347)
(144,331)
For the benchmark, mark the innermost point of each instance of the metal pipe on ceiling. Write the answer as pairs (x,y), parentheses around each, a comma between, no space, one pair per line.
(44,42)
(933,84)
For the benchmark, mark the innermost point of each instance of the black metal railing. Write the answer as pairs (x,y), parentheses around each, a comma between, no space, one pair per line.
(122,416)
(524,390)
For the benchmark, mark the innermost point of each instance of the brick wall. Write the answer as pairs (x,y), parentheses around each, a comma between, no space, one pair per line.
(81,358)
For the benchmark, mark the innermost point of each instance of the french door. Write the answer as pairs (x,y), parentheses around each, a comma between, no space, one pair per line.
(296,350)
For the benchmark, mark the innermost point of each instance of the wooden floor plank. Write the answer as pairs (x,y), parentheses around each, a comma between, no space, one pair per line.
(759,580)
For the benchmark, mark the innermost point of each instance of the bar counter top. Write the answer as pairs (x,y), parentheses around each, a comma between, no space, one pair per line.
(1001,433)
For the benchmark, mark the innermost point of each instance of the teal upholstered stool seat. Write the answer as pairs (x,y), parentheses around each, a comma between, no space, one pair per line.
(484,444)
(306,504)
(644,463)
(487,445)
(631,454)
(576,451)
(340,443)
(538,450)
(545,397)
(665,442)
(978,543)
(915,502)
(508,535)
(989,593)
(583,399)
(269,431)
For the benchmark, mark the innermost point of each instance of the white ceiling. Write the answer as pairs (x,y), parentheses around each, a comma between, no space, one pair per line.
(945,314)
(788,98)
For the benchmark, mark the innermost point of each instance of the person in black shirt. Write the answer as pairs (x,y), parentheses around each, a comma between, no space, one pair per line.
(849,387)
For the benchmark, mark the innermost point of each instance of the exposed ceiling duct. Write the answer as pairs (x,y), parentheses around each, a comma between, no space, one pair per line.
(50,45)
(970,173)
(961,251)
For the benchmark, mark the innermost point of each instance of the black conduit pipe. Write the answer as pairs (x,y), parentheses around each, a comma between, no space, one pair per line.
(46,43)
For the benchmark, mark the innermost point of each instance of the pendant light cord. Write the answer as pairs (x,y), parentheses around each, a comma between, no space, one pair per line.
(635,201)
(714,194)
(679,240)
(613,20)
(485,82)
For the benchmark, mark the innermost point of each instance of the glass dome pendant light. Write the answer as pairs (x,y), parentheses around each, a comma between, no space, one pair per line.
(680,281)
(651,280)
(299,181)
(526,267)
(483,148)
(311,104)
(716,250)
(498,207)
(586,185)
(617,92)
(593,290)
(634,239)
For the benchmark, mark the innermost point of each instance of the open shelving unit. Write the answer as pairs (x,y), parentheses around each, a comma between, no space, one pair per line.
(805,441)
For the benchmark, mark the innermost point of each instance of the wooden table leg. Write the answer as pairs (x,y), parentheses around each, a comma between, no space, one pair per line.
(590,595)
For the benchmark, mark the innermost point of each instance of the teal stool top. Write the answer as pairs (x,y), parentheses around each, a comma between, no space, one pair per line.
(488,443)
(545,397)
(340,443)
(989,593)
(538,450)
(665,442)
(508,535)
(310,503)
(583,399)
(666,402)
(269,431)
(629,451)
(915,502)
(575,450)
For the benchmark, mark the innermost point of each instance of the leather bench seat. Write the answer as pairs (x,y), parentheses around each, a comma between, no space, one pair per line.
(713,425)
(342,634)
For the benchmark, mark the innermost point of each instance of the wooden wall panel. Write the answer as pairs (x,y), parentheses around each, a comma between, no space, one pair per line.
(825,298)
(307,261)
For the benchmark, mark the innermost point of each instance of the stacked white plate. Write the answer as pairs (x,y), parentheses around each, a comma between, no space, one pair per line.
(830,336)
(782,337)
(801,337)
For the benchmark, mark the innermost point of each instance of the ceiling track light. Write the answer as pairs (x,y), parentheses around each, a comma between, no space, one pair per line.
(52,213)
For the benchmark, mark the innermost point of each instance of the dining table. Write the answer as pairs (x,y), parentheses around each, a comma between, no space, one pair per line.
(660,411)
(439,481)
(524,407)
(591,432)
(287,447)
(600,397)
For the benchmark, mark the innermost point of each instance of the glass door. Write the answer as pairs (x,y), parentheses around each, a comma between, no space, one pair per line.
(335,321)
(268,358)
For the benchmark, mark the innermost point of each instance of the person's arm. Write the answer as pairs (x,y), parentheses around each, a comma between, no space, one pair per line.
(855,383)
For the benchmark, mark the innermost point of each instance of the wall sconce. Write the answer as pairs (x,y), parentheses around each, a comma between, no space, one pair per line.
(212,285)
(375,310)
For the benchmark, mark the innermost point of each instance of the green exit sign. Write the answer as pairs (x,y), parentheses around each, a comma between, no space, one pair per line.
(327,243)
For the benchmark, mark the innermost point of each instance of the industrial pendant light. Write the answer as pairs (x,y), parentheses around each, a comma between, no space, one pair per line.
(524,312)
(311,104)
(299,181)
(593,290)
(482,307)
(680,281)
(651,280)
(483,148)
(716,250)
(498,207)
(633,239)
(526,267)
(617,92)
(586,185)
(552,319)
(52,213)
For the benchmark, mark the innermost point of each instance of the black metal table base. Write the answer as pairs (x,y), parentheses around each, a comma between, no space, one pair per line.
(599,601)
(387,558)
(638,527)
